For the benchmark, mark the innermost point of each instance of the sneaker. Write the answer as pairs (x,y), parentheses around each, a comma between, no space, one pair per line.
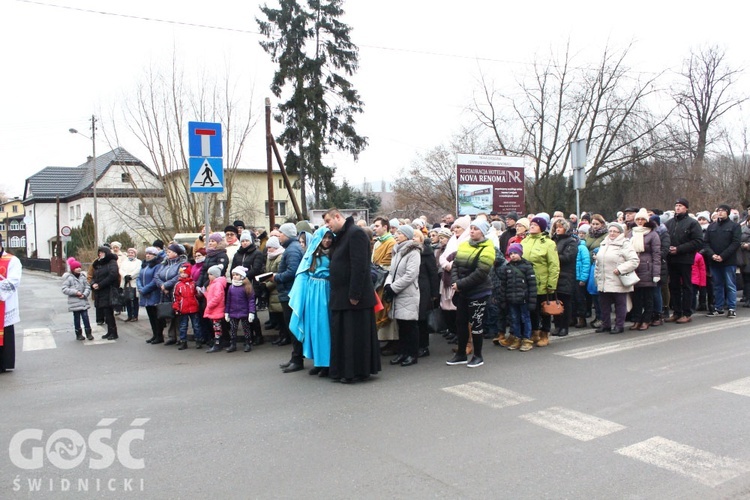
(475,362)
(526,345)
(457,359)
(596,323)
(731,313)
(715,314)
(515,345)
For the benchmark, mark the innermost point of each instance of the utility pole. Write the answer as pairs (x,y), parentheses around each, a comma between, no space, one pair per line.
(269,167)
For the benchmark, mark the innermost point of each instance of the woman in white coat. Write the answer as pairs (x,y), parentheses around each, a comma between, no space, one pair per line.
(616,257)
(402,286)
(130,268)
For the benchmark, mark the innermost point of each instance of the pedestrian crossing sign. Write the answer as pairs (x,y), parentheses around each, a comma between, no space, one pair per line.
(206,175)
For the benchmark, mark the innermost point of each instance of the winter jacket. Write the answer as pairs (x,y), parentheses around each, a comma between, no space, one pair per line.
(131,268)
(404,280)
(593,242)
(471,268)
(518,284)
(495,275)
(72,285)
(664,243)
(541,251)
(215,294)
(722,238)
(649,261)
(614,254)
(583,262)
(240,300)
(743,259)
(350,269)
(251,259)
(504,239)
(685,233)
(214,257)
(567,253)
(150,293)
(272,266)
(290,260)
(185,297)
(429,282)
(107,277)
(196,271)
(168,273)
(698,271)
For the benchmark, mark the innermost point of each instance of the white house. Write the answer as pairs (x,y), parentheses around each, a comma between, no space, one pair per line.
(124,188)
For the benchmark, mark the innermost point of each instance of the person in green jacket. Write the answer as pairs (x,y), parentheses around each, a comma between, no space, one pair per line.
(541,251)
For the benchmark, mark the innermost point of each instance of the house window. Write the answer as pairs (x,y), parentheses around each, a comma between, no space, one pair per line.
(147,209)
(125,177)
(22,226)
(15,209)
(279,208)
(2,209)
(72,213)
(14,225)
(2,226)
(23,242)
(15,242)
(78,212)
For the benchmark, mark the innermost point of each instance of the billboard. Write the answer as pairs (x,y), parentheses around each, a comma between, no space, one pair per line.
(487,183)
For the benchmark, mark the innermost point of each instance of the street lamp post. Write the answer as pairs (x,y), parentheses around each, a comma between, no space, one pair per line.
(93,172)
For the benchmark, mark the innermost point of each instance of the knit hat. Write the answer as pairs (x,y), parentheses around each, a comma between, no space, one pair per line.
(186,267)
(540,221)
(666,216)
(246,236)
(177,248)
(512,215)
(462,222)
(407,231)
(682,201)
(586,217)
(115,244)
(616,225)
(214,271)
(242,271)
(201,251)
(394,223)
(217,237)
(289,230)
(545,216)
(152,251)
(444,231)
(655,219)
(724,207)
(158,244)
(273,242)
(230,229)
(515,248)
(418,223)
(642,214)
(104,248)
(238,223)
(497,225)
(482,226)
(73,264)
(584,228)
(523,221)
(703,215)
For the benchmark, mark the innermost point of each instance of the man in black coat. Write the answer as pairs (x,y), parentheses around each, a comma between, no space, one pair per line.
(354,339)
(686,237)
(722,242)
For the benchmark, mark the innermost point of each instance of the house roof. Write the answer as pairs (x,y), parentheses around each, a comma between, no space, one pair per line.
(64,182)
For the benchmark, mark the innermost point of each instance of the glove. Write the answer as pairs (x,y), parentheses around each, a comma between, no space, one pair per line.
(251,317)
(127,278)
(388,293)
(657,279)
(226,317)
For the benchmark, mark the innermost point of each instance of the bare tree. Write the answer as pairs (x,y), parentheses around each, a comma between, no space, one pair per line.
(157,114)
(606,105)
(704,97)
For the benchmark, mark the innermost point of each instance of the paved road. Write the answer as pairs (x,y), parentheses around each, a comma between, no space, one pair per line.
(639,415)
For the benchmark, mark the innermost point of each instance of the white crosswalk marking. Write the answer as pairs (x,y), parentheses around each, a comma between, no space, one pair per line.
(704,467)
(487,394)
(35,339)
(572,423)
(643,341)
(741,387)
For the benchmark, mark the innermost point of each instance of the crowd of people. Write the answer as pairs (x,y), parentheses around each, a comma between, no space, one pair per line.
(346,293)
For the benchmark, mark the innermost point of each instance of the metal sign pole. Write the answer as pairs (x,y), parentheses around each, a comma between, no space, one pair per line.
(206,218)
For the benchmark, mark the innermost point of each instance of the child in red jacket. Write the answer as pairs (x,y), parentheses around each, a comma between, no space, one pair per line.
(215,298)
(185,307)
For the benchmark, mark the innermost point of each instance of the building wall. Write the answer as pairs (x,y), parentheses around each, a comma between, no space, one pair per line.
(250,194)
(9,210)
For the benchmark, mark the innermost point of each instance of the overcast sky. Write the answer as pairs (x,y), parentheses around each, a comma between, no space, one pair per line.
(419,63)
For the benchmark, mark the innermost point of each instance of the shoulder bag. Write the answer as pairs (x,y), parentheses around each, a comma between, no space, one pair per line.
(629,279)
(164,308)
(552,308)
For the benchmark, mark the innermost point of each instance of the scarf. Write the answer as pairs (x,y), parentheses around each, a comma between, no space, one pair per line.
(385,237)
(275,252)
(237,282)
(595,233)
(213,251)
(639,232)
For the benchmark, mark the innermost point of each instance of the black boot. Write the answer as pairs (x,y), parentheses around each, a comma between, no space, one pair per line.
(112,335)
(248,344)
(159,339)
(79,335)
(199,343)
(183,345)
(170,342)
(216,347)
(88,334)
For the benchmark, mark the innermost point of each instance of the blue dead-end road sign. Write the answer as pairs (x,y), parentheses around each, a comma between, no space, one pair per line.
(206,175)
(204,139)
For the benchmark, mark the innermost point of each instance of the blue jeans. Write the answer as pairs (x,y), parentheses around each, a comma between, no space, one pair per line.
(521,320)
(184,326)
(725,287)
(658,300)
(132,307)
(81,315)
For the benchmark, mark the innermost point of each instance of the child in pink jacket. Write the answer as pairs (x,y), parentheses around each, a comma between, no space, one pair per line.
(215,297)
(698,279)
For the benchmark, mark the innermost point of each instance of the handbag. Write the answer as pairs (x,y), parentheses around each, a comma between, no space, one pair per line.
(164,309)
(629,279)
(436,321)
(552,308)
(128,293)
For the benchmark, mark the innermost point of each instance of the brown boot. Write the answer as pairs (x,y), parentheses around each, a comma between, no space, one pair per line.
(635,326)
(515,345)
(506,342)
(581,323)
(500,337)
(536,335)
(526,345)
(543,339)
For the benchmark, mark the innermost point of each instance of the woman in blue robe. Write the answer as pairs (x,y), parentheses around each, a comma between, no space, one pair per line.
(308,300)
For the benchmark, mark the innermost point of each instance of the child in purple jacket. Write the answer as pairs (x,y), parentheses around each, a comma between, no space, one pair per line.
(240,308)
